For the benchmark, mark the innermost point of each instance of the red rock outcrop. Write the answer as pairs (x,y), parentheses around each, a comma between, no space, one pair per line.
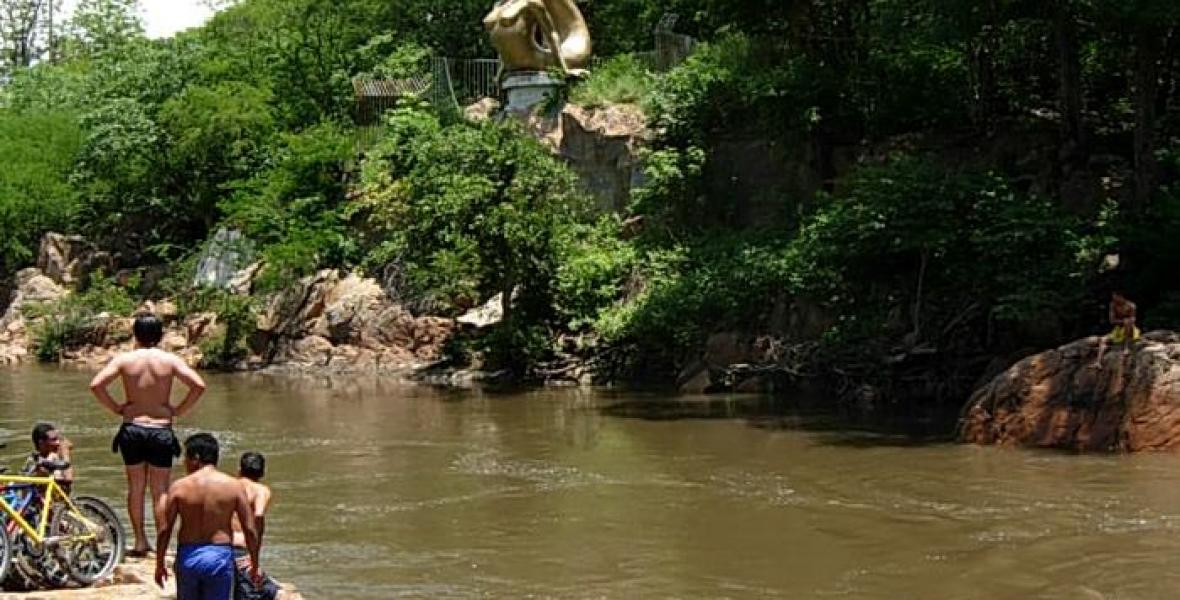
(1063,399)
(347,323)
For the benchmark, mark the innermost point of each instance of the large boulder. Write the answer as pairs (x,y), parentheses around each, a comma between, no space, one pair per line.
(347,323)
(32,287)
(69,259)
(1064,399)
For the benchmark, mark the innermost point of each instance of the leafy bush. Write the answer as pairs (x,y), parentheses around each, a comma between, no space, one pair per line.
(77,319)
(294,211)
(908,238)
(894,255)
(236,317)
(117,174)
(470,210)
(467,212)
(684,292)
(592,273)
(737,83)
(620,80)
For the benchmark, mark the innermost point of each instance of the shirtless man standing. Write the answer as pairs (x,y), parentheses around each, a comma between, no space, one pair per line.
(206,501)
(146,439)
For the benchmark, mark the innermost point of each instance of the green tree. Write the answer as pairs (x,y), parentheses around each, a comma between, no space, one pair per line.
(101,26)
(27,29)
(469,212)
(35,192)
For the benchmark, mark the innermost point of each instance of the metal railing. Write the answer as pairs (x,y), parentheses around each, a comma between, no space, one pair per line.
(468,79)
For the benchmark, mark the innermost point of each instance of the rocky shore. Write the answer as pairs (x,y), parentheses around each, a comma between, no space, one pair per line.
(331,321)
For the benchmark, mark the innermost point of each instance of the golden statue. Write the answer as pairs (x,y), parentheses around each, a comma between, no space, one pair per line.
(538,35)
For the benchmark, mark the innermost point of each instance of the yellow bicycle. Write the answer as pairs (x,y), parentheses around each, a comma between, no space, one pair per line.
(48,539)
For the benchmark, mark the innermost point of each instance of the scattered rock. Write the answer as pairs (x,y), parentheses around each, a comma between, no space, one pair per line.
(164,309)
(491,313)
(483,110)
(311,351)
(32,287)
(327,321)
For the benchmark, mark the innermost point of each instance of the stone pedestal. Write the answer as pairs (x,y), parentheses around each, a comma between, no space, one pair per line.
(525,90)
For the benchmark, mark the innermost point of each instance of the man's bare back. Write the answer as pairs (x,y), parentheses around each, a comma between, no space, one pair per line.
(206,501)
(147,375)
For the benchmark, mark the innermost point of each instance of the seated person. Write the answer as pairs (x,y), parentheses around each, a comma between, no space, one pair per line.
(1122,317)
(251,470)
(50,447)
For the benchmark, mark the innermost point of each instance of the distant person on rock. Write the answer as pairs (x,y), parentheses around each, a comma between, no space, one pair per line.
(146,439)
(252,468)
(1122,313)
(207,501)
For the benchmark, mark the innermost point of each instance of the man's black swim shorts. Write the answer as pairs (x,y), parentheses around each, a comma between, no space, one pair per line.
(139,444)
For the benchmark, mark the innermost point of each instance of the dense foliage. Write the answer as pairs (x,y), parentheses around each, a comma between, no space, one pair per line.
(965,167)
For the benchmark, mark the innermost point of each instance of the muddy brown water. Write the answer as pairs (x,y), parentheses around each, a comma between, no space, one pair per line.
(387,490)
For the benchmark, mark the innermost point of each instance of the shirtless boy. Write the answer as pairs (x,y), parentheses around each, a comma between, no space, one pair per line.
(206,500)
(146,439)
(50,448)
(1122,316)
(251,470)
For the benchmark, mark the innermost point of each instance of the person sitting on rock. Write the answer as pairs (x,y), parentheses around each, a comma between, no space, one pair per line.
(252,468)
(50,452)
(1121,314)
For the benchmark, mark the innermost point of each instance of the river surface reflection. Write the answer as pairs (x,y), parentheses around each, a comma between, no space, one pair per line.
(387,490)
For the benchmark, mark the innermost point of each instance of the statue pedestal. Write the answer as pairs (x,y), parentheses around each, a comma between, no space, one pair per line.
(525,90)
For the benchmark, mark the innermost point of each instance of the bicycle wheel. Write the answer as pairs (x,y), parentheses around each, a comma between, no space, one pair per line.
(5,552)
(88,561)
(39,566)
(23,574)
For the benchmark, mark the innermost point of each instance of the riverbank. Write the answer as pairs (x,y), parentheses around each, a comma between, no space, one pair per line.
(133,580)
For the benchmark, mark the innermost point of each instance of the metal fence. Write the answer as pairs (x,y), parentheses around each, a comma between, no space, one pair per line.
(672,47)
(464,80)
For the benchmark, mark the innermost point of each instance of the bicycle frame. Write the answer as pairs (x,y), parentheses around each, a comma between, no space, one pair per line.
(52,492)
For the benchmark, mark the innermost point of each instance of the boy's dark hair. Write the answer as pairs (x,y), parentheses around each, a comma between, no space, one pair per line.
(148,329)
(253,466)
(202,447)
(41,432)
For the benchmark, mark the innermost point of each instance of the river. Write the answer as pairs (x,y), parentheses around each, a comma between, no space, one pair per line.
(391,490)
